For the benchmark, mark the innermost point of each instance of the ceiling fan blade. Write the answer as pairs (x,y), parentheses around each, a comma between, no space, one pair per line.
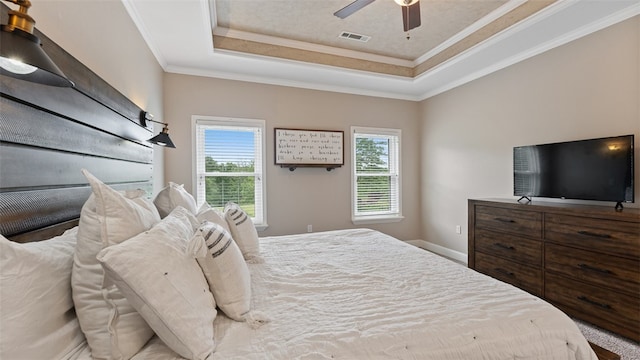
(351,8)
(411,16)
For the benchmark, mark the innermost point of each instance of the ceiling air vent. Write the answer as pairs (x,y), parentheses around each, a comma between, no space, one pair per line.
(356,37)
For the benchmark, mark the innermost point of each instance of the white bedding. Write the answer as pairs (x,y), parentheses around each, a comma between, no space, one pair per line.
(351,294)
(359,294)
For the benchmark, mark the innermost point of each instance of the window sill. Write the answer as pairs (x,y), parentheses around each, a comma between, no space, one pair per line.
(261,227)
(363,220)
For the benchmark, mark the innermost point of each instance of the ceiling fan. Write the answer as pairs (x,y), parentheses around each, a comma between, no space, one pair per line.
(410,11)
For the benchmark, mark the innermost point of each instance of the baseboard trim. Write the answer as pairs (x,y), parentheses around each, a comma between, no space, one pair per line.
(441,250)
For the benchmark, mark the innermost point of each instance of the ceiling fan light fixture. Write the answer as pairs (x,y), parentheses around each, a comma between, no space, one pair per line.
(405,2)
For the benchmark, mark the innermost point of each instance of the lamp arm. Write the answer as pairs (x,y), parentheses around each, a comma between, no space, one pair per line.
(157,122)
(161,139)
(145,116)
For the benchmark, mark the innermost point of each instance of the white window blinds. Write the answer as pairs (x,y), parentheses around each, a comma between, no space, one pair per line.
(376,173)
(230,164)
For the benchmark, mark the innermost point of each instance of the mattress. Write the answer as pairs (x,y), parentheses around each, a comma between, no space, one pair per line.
(360,294)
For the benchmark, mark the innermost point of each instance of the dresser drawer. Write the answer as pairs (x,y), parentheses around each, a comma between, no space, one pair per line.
(526,223)
(583,259)
(598,235)
(597,269)
(613,311)
(508,246)
(524,277)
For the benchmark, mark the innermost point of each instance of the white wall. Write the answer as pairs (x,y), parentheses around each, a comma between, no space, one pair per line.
(457,144)
(307,195)
(586,89)
(102,36)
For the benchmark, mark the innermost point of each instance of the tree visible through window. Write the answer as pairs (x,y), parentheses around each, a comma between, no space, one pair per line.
(222,186)
(230,164)
(376,172)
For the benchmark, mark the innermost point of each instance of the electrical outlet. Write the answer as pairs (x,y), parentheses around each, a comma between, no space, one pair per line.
(458,229)
(309,228)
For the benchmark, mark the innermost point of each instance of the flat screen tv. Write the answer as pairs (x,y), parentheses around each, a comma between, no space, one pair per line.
(595,169)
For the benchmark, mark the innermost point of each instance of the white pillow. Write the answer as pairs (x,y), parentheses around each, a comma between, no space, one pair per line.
(36,309)
(225,269)
(113,328)
(166,285)
(243,232)
(207,213)
(174,195)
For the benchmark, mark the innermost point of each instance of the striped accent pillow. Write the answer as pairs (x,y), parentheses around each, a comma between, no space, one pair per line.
(207,213)
(243,232)
(167,288)
(224,268)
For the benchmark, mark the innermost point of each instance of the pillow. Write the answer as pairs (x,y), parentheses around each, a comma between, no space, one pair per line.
(36,309)
(225,269)
(113,328)
(166,285)
(171,196)
(243,232)
(207,213)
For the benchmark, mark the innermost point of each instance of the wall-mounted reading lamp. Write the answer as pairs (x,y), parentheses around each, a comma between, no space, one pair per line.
(21,54)
(161,139)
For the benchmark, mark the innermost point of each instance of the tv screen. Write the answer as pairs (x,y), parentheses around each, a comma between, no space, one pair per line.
(595,169)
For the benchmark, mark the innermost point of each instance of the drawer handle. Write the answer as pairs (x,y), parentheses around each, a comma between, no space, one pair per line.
(589,301)
(503,246)
(504,272)
(593,268)
(589,233)
(504,220)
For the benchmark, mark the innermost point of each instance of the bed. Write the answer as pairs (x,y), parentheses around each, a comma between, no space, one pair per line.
(363,294)
(352,294)
(347,294)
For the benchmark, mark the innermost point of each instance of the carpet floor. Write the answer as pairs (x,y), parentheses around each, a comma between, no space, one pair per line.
(626,348)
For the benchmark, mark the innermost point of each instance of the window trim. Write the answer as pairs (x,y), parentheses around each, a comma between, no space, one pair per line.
(236,122)
(376,218)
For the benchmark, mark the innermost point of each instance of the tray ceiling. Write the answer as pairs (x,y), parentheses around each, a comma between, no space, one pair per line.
(298,43)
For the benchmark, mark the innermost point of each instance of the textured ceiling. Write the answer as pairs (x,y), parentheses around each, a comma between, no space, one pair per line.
(295,43)
(312,21)
(307,30)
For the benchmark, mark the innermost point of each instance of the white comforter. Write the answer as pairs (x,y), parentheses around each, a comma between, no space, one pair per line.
(360,294)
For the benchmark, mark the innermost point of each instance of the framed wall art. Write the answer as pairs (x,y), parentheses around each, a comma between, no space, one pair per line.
(308,148)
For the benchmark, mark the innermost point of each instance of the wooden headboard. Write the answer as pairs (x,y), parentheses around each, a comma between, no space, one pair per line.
(48,134)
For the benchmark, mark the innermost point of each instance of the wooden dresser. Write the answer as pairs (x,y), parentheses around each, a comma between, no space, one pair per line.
(583,259)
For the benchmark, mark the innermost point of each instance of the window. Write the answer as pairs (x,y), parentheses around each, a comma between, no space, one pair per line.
(229,156)
(376,175)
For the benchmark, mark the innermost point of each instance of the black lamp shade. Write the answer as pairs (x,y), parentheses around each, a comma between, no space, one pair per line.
(162,139)
(23,47)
